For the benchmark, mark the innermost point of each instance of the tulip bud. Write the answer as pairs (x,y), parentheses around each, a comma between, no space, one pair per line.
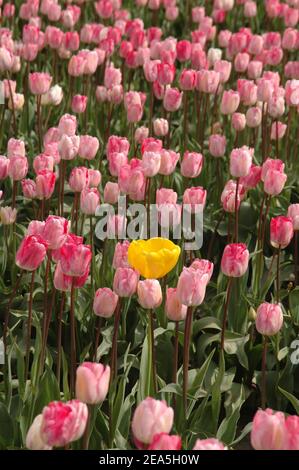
(92,382)
(269,319)
(151,417)
(235,259)
(281,231)
(149,293)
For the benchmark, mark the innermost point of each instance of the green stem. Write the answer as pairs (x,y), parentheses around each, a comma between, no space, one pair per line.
(187,341)
(228,294)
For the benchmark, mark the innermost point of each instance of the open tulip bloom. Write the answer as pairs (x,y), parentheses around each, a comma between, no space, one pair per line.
(149,220)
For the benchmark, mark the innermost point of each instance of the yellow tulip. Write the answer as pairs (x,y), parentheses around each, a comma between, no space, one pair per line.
(153,258)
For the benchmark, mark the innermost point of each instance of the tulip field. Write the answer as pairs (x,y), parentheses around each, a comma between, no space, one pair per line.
(149,219)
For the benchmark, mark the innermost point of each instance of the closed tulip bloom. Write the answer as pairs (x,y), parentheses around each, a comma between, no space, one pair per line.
(254,69)
(235,259)
(151,417)
(141,134)
(188,80)
(55,231)
(36,227)
(94,178)
(149,293)
(88,147)
(268,430)
(174,308)
(16,101)
(63,423)
(125,282)
(281,231)
(292,434)
(45,184)
(209,444)
(253,117)
(191,165)
(278,130)
(253,178)
(269,319)
(203,266)
(164,441)
(75,259)
(53,97)
(293,213)
(4,162)
(89,201)
(111,192)
(151,163)
(195,196)
(39,83)
(172,99)
(68,147)
(228,196)
(8,215)
(92,382)
(34,439)
(241,62)
(112,77)
(207,81)
(223,67)
(230,102)
(272,164)
(31,253)
(274,182)
(29,188)
(191,288)
(120,257)
(67,125)
(161,127)
(116,161)
(240,161)
(217,145)
(183,49)
(64,283)
(6,60)
(105,302)
(43,162)
(238,121)
(169,159)
(79,103)
(166,196)
(17,167)
(166,73)
(78,179)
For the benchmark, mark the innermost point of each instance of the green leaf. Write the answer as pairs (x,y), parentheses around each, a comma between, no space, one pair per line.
(228,427)
(6,428)
(294,305)
(216,392)
(293,400)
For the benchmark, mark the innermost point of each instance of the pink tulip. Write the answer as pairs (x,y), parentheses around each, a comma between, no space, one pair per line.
(172,99)
(55,231)
(78,179)
(230,102)
(281,231)
(63,423)
(238,121)
(31,253)
(34,439)
(254,69)
(112,77)
(39,83)
(235,259)
(169,159)
(111,192)
(293,213)
(183,49)
(125,282)
(217,145)
(292,433)
(174,309)
(120,258)
(160,127)
(269,319)
(241,62)
(151,163)
(149,293)
(191,288)
(274,182)
(253,178)
(166,196)
(278,130)
(208,81)
(192,164)
(268,430)
(195,196)
(105,302)
(141,134)
(188,80)
(166,73)
(92,382)
(75,259)
(64,282)
(228,196)
(151,417)
(209,444)
(223,67)
(68,147)
(67,125)
(4,162)
(43,162)
(79,103)
(164,441)
(240,161)
(17,168)
(89,201)
(45,184)
(94,178)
